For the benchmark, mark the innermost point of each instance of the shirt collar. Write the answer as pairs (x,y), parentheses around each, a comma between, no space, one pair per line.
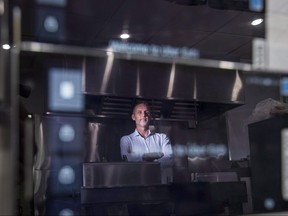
(136,133)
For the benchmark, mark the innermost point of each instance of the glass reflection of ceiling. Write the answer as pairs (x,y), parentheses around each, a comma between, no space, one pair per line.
(218,33)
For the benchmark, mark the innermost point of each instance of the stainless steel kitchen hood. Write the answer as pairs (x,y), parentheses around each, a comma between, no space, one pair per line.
(174,91)
(178,89)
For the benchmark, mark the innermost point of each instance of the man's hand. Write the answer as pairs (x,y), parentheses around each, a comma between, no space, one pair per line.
(150,157)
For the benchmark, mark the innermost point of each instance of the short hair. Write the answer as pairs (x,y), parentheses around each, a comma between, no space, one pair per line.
(141,102)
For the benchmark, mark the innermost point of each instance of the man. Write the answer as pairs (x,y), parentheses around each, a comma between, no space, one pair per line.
(145,145)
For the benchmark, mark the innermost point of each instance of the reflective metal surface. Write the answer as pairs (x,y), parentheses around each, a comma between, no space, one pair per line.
(181,79)
(113,81)
(174,91)
(121,174)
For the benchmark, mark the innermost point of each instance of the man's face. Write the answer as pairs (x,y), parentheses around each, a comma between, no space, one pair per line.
(141,115)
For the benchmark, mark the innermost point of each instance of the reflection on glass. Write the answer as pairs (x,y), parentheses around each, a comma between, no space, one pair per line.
(66,133)
(51,24)
(269,203)
(197,150)
(67,90)
(256,22)
(66,212)
(66,175)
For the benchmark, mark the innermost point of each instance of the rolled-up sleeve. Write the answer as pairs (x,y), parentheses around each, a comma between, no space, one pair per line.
(167,159)
(126,150)
(133,146)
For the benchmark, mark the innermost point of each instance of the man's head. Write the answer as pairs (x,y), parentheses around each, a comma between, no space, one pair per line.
(141,115)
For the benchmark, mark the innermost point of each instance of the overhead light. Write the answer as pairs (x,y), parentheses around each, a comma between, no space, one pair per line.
(6,46)
(124,36)
(256,22)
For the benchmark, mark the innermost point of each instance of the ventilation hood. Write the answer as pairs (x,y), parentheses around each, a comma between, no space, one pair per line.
(175,91)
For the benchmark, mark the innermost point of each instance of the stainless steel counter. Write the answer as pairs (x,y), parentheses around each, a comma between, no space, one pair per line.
(121,174)
(199,198)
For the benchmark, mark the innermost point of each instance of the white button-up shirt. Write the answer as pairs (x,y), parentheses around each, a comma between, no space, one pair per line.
(133,146)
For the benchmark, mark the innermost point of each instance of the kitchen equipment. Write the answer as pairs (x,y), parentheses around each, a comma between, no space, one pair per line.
(121,174)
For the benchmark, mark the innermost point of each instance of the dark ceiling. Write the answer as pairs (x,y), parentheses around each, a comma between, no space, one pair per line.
(221,34)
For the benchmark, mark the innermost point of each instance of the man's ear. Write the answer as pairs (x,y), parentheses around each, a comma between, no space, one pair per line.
(133,117)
